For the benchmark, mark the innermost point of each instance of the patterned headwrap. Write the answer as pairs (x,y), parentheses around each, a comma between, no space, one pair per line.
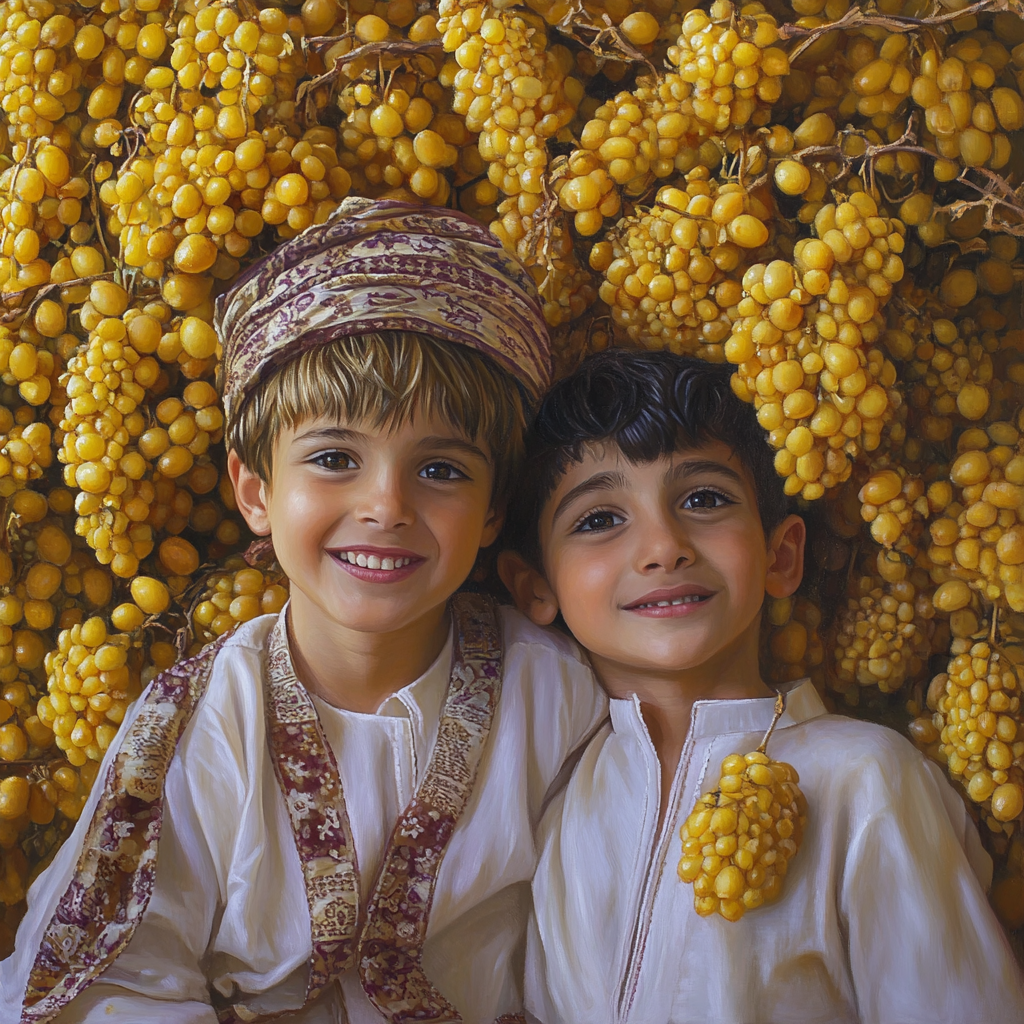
(383,265)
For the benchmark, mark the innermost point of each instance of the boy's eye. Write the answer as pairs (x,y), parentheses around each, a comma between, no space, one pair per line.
(442,471)
(706,498)
(595,521)
(334,461)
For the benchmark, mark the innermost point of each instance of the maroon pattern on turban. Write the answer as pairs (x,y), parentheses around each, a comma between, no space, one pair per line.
(383,265)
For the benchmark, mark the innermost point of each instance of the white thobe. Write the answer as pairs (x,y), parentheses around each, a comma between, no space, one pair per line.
(229,904)
(882,916)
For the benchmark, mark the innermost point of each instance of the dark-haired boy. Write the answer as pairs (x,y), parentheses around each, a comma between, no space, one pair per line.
(654,523)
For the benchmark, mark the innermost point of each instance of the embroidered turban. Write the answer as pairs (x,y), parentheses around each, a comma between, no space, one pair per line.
(383,265)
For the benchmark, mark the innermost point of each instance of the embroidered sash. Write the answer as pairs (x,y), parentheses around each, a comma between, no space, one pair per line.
(399,909)
(114,877)
(311,784)
(391,943)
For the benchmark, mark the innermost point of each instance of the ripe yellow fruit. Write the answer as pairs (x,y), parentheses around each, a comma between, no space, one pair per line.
(53,545)
(150,595)
(14,796)
(198,338)
(90,685)
(792,177)
(1007,801)
(738,839)
(194,254)
(127,617)
(13,743)
(882,635)
(292,189)
(958,287)
(236,596)
(976,705)
(179,556)
(653,298)
(952,596)
(640,28)
(371,29)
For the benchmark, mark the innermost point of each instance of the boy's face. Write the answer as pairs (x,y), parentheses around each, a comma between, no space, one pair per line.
(375,527)
(663,566)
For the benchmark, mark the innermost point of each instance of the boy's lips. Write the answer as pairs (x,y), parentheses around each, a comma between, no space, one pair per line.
(377,565)
(671,602)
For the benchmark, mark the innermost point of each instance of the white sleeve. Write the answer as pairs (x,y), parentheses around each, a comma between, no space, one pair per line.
(548,892)
(565,705)
(157,976)
(924,945)
(101,1002)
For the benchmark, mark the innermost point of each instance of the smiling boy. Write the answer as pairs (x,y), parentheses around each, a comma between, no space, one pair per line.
(357,486)
(654,523)
(328,816)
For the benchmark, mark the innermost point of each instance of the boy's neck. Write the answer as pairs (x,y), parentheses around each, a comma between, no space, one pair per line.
(667,698)
(357,671)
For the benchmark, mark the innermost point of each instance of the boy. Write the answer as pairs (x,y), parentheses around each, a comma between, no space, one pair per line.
(654,523)
(328,816)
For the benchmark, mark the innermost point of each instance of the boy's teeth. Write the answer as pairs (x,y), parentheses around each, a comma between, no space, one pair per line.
(374,562)
(691,599)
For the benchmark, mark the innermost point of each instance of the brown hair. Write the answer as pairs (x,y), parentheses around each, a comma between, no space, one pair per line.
(386,378)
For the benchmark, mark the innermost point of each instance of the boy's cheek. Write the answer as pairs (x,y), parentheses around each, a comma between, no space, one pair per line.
(585,595)
(587,629)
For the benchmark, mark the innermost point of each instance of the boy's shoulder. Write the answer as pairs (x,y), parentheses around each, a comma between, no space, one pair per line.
(851,743)
(240,657)
(846,761)
(251,636)
(226,674)
(519,632)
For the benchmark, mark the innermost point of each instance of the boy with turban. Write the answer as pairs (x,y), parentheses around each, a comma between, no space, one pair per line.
(328,815)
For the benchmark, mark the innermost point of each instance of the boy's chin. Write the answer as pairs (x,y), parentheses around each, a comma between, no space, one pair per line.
(669,647)
(366,613)
(680,656)
(661,663)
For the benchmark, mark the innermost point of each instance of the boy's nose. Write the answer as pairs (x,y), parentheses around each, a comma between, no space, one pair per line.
(666,547)
(384,503)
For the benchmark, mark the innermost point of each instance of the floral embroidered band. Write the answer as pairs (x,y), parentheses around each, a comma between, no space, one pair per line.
(390,943)
(399,909)
(307,773)
(114,878)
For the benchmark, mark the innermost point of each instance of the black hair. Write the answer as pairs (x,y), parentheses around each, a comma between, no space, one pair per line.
(648,404)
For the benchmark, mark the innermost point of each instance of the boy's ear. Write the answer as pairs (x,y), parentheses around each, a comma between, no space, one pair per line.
(250,495)
(492,526)
(530,591)
(786,557)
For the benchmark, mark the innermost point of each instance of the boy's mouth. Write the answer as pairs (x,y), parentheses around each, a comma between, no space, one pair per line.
(377,565)
(671,602)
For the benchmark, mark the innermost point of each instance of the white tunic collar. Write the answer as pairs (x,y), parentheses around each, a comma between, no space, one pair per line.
(421,700)
(721,717)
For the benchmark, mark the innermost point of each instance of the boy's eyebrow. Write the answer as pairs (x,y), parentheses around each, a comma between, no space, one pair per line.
(331,434)
(454,444)
(694,467)
(342,434)
(597,482)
